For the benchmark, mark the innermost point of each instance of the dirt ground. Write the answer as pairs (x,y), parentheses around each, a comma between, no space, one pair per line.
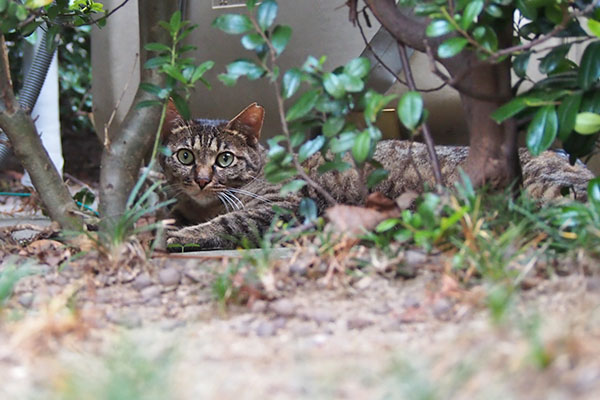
(158,331)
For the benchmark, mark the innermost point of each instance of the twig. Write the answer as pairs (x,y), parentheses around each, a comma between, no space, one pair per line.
(284,125)
(433,158)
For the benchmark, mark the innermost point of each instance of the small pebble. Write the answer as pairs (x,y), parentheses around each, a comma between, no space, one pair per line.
(265,329)
(283,307)
(142,281)
(321,316)
(150,292)
(26,299)
(169,276)
(259,306)
(358,323)
(24,236)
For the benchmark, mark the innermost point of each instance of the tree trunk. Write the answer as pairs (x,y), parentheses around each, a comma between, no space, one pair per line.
(123,156)
(28,148)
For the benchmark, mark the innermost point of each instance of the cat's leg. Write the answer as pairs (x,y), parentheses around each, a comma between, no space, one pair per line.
(226,231)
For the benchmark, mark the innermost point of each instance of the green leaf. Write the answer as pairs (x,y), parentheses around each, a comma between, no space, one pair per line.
(387,225)
(292,187)
(589,69)
(358,67)
(594,27)
(567,112)
(245,68)
(594,192)
(352,84)
(376,177)
(157,47)
(553,59)
(148,103)
(233,24)
(181,106)
(21,13)
(410,109)
(291,82)
(174,73)
(362,147)
(472,11)
(266,14)
(528,10)
(252,40)
(374,103)
(333,85)
(151,88)
(438,27)
(542,130)
(520,63)
(494,11)
(201,70)
(486,37)
(509,109)
(340,166)
(303,106)
(587,123)
(451,47)
(308,209)
(280,37)
(342,143)
(310,147)
(250,4)
(3,5)
(156,62)
(333,125)
(175,21)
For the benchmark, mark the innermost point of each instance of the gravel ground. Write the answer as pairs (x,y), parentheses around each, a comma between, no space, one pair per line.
(157,332)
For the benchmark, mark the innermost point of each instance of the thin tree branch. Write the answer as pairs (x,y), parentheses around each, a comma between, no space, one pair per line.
(284,125)
(433,158)
(28,148)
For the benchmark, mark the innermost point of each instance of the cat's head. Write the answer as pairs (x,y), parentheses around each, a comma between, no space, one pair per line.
(204,157)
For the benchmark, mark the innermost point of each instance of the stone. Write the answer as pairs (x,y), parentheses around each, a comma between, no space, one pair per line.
(259,306)
(321,316)
(150,292)
(24,236)
(169,276)
(127,319)
(265,329)
(283,307)
(26,299)
(142,281)
(358,323)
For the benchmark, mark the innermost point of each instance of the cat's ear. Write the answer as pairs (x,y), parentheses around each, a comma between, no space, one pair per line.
(248,123)
(172,120)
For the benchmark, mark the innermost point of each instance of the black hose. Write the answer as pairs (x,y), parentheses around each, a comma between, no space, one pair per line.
(32,86)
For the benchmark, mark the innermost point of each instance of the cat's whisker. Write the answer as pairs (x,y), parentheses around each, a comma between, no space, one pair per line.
(249,194)
(238,205)
(236,199)
(224,200)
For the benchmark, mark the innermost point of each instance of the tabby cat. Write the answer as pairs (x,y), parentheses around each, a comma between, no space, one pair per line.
(215,171)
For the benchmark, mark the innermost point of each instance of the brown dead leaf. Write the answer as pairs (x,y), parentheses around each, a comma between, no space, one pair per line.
(406,200)
(355,220)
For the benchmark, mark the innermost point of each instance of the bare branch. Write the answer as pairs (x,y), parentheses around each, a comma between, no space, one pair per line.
(433,158)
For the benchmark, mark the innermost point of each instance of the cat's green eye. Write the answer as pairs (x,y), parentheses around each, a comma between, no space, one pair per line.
(225,159)
(185,156)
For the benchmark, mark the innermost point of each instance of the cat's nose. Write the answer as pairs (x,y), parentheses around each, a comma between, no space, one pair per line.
(202,182)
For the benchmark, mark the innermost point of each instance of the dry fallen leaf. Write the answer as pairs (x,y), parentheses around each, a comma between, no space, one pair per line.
(355,220)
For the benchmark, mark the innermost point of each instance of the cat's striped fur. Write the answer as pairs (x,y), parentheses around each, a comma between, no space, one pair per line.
(222,195)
